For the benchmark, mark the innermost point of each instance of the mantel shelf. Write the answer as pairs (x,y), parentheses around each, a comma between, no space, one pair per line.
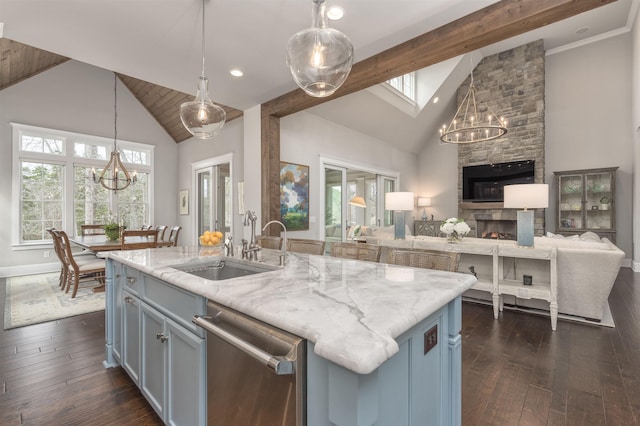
(481,206)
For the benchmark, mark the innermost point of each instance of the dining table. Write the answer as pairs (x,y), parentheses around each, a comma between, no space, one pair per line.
(97,243)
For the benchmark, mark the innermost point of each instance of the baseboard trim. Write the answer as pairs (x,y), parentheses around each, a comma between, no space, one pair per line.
(14,271)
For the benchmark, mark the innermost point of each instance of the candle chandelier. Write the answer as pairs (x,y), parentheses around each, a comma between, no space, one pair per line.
(201,117)
(470,126)
(115,176)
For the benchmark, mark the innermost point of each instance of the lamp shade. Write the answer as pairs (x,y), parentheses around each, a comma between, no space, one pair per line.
(424,201)
(399,201)
(526,196)
(358,201)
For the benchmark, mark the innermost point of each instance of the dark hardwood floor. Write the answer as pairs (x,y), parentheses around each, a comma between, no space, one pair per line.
(515,370)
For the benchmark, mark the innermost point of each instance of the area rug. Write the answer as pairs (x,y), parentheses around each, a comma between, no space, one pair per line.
(32,299)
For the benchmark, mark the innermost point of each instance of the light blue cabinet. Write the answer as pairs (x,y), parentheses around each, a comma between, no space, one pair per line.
(148,333)
(419,385)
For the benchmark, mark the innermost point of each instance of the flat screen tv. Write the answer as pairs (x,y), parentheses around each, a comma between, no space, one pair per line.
(485,183)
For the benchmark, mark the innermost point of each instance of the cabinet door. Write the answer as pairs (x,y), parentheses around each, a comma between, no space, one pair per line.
(186,376)
(599,200)
(131,335)
(152,374)
(570,202)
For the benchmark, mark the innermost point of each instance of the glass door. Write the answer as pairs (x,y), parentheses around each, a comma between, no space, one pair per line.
(213,199)
(570,201)
(599,196)
(335,182)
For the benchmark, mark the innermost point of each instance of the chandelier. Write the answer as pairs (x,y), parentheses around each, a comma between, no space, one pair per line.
(201,117)
(469,125)
(319,57)
(115,176)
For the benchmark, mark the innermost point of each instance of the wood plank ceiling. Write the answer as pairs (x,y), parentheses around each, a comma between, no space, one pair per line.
(19,62)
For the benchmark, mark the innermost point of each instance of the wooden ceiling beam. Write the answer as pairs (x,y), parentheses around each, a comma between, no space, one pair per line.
(494,23)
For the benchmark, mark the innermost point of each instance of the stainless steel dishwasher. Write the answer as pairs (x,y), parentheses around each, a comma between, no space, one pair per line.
(255,372)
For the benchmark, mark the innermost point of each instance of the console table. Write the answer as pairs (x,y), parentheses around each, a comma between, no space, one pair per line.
(502,267)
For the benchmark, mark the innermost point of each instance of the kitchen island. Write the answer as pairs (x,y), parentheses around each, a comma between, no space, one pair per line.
(383,343)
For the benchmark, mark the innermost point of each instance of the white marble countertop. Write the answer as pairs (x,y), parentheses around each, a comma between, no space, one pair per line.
(351,310)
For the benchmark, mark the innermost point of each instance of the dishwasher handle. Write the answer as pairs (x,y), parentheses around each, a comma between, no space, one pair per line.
(279,364)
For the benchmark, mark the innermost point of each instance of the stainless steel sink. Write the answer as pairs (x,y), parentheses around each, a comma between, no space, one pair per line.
(225,269)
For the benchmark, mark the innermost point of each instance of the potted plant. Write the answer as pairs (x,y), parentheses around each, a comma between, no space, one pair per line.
(111,227)
(604,203)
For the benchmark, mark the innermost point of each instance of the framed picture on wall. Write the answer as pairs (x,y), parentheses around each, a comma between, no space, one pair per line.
(294,196)
(183,199)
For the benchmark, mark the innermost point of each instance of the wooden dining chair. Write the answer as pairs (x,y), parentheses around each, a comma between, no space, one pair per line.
(162,229)
(299,245)
(137,239)
(357,251)
(269,242)
(62,279)
(146,227)
(79,269)
(92,229)
(423,258)
(173,237)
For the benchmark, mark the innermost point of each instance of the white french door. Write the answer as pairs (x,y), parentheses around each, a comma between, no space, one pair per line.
(213,195)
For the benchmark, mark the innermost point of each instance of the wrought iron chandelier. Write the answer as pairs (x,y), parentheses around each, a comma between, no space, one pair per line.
(115,176)
(470,126)
(201,117)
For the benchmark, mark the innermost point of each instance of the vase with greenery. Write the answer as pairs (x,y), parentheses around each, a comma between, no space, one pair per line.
(604,203)
(111,227)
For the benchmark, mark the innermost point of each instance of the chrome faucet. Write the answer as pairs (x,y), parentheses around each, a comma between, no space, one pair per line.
(283,255)
(252,251)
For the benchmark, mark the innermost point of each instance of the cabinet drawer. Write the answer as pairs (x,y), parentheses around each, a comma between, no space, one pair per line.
(176,303)
(132,279)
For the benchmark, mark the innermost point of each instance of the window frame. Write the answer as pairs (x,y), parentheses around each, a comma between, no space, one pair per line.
(69,161)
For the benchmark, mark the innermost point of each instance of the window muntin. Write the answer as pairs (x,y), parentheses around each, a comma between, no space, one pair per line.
(53,168)
(405,85)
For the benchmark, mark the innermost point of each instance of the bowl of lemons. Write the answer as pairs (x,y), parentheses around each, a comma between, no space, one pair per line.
(212,243)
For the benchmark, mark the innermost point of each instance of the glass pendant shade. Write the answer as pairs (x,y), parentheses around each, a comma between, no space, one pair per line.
(201,117)
(319,58)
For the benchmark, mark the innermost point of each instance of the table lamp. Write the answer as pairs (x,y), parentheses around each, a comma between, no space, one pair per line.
(526,196)
(424,202)
(399,202)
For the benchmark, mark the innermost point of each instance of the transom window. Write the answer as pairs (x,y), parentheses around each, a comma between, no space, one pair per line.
(53,184)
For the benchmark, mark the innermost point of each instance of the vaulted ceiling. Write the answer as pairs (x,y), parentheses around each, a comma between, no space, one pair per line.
(156,51)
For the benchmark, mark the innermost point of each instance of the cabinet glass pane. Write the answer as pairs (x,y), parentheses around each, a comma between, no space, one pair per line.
(599,196)
(570,201)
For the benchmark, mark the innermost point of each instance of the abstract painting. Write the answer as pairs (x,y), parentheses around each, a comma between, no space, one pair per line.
(294,196)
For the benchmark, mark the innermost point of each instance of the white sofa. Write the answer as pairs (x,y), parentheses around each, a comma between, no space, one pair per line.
(587,269)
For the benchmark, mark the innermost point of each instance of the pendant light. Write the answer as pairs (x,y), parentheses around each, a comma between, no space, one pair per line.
(115,176)
(469,126)
(319,57)
(201,117)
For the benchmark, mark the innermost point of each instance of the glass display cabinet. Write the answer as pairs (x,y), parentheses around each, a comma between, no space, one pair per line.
(586,202)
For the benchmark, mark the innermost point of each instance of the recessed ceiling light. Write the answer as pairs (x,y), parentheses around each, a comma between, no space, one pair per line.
(236,73)
(435,100)
(582,30)
(334,13)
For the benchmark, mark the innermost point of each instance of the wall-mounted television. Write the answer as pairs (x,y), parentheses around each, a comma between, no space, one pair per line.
(485,182)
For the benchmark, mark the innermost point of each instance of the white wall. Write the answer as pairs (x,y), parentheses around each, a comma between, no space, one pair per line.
(438,174)
(78,97)
(228,141)
(635,128)
(587,120)
(304,137)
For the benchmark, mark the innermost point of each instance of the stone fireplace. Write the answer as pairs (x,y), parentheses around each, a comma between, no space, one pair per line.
(512,83)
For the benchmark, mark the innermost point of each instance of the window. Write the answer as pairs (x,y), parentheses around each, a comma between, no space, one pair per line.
(53,184)
(405,84)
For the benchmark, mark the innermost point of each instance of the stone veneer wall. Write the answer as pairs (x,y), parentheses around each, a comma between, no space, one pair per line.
(512,84)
